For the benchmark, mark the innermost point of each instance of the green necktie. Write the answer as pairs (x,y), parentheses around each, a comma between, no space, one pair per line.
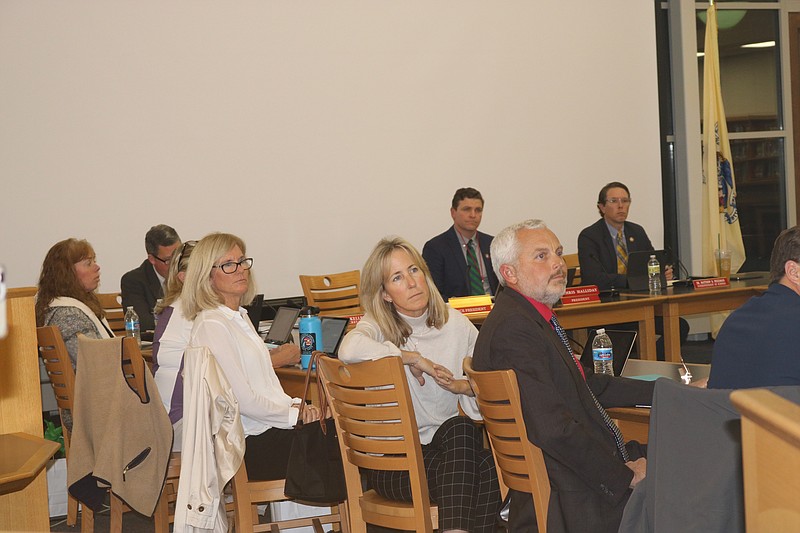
(473,270)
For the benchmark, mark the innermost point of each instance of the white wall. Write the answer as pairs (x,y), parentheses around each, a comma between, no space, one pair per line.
(313,128)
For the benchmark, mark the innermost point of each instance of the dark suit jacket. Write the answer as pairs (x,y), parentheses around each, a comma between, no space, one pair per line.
(140,288)
(598,258)
(590,481)
(759,343)
(448,265)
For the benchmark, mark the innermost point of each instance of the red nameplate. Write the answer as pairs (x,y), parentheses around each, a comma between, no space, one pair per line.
(711,282)
(581,295)
(475,309)
(355,319)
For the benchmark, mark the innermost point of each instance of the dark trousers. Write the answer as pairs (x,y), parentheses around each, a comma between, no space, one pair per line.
(462,478)
(267,455)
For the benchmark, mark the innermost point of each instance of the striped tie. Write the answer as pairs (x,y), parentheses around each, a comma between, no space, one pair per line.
(473,270)
(612,427)
(622,254)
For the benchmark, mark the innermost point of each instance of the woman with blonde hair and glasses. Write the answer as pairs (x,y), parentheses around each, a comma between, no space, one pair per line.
(218,281)
(406,316)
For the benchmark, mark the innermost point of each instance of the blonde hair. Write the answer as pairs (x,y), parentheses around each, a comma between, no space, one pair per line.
(394,328)
(198,294)
(177,264)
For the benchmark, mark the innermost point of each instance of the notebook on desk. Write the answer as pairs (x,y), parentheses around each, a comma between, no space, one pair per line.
(637,269)
(281,329)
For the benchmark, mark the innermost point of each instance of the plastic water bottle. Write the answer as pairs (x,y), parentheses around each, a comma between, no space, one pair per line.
(310,334)
(132,325)
(603,353)
(654,274)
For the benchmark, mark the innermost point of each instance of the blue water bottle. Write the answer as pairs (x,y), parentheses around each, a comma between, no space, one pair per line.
(310,334)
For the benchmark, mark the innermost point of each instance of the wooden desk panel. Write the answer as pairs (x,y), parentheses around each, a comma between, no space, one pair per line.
(628,308)
(634,422)
(21,409)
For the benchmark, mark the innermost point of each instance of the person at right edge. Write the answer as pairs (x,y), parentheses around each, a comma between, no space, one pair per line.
(591,468)
(759,343)
(603,250)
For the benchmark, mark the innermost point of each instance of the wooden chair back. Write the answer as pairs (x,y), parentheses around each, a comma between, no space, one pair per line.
(378,430)
(334,294)
(519,463)
(771,460)
(247,495)
(573,264)
(115,315)
(59,370)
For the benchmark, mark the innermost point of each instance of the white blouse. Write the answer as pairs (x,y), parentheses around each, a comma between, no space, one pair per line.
(244,358)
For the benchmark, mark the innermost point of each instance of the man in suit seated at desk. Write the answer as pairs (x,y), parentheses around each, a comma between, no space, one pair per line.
(604,246)
(759,343)
(459,258)
(143,285)
(590,467)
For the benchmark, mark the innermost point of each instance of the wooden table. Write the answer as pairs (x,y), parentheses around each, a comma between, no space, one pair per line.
(22,457)
(631,307)
(634,422)
(682,301)
(293,378)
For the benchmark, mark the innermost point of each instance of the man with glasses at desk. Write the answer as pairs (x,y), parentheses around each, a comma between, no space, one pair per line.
(604,246)
(143,285)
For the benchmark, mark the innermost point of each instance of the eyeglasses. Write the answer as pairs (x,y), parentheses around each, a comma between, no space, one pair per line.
(232,266)
(165,261)
(185,246)
(623,201)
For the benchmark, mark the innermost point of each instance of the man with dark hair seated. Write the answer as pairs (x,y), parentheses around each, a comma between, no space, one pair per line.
(459,258)
(604,246)
(143,285)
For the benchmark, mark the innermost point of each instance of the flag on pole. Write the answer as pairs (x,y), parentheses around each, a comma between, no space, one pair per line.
(721,228)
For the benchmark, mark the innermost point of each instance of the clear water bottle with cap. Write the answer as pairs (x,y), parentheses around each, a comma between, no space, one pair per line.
(653,274)
(310,333)
(132,325)
(603,353)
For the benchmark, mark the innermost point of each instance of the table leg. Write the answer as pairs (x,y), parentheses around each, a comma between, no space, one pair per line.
(647,335)
(672,332)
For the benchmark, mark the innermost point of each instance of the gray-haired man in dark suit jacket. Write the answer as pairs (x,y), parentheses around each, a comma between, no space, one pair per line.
(591,470)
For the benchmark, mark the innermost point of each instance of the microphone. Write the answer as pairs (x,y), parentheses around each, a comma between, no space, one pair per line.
(612,291)
(681,268)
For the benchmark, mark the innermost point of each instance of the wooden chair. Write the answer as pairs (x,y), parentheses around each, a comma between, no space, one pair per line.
(115,315)
(248,494)
(573,264)
(57,363)
(771,460)
(334,294)
(377,430)
(519,463)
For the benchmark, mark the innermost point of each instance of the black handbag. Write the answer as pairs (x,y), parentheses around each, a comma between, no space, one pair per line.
(314,473)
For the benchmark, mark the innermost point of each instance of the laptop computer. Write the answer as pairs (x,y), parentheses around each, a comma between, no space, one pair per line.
(621,340)
(650,370)
(637,269)
(281,329)
(333,328)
